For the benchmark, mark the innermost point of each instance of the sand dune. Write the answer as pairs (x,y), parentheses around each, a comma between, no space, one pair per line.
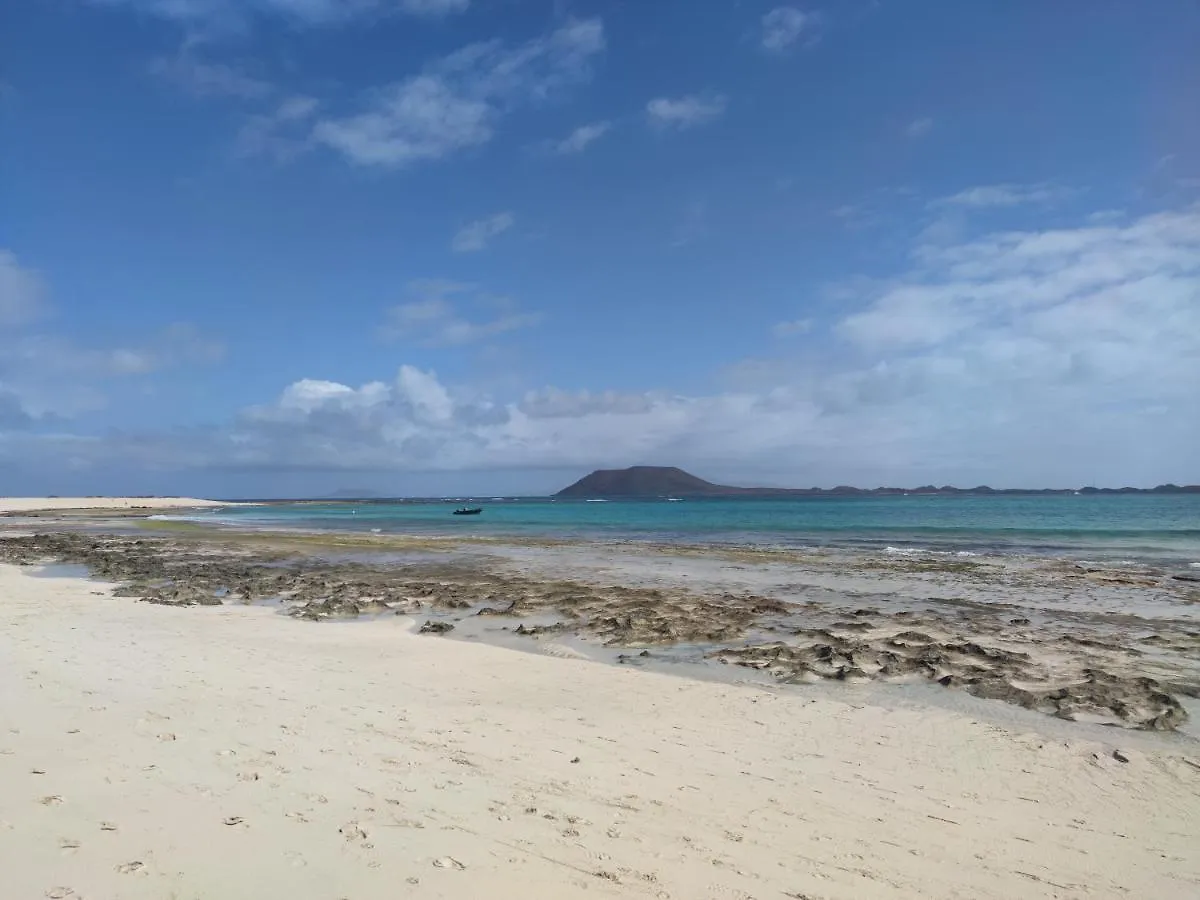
(149,752)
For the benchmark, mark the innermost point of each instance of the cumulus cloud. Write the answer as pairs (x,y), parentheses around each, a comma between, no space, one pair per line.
(783,26)
(434,317)
(582,138)
(458,101)
(685,112)
(1024,357)
(476,235)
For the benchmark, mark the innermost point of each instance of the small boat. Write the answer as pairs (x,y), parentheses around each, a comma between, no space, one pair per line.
(468,511)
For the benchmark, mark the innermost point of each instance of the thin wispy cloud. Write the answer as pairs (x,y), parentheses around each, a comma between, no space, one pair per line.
(230,13)
(918,128)
(1002,195)
(792,328)
(476,235)
(685,112)
(459,101)
(783,26)
(582,138)
(22,292)
(693,226)
(46,373)
(435,317)
(209,79)
(281,133)
(434,7)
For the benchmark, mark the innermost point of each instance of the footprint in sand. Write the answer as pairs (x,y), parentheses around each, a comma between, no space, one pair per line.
(108,826)
(67,845)
(57,893)
(52,800)
(130,867)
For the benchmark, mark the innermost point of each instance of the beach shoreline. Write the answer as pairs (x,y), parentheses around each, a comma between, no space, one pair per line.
(1106,645)
(228,752)
(224,740)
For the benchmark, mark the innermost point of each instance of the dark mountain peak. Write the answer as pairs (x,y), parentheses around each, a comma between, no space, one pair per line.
(642,481)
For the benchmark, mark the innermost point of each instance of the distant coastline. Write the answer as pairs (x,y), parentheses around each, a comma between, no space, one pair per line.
(663,481)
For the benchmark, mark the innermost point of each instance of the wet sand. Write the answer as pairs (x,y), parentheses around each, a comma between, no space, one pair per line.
(204,720)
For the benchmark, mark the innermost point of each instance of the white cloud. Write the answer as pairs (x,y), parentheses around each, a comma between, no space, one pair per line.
(783,26)
(433,318)
(457,102)
(22,293)
(685,112)
(475,236)
(582,137)
(918,127)
(208,79)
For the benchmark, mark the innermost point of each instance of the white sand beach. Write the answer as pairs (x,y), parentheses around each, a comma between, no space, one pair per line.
(18,505)
(230,752)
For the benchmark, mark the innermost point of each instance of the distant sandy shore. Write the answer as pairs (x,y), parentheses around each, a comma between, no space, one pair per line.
(9,505)
(227,751)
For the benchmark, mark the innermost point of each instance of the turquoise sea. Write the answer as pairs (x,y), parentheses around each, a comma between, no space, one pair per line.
(1159,529)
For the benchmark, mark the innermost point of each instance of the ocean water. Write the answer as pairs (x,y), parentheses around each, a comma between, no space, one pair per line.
(1158,529)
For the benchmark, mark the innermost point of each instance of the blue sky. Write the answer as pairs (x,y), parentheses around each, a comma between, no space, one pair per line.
(422,246)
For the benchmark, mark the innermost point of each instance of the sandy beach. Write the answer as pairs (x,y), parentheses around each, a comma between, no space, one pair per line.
(24,505)
(194,748)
